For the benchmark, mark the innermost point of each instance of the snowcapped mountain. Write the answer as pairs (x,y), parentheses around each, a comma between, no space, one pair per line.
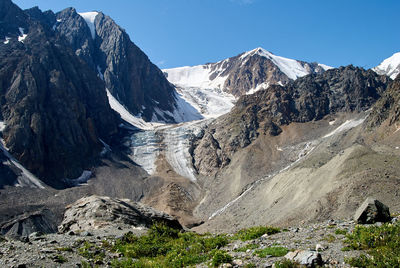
(390,66)
(243,74)
(213,88)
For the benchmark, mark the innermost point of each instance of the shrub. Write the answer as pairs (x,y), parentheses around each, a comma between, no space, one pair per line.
(220,257)
(255,232)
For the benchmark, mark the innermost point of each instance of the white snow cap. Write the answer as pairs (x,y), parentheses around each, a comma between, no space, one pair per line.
(390,66)
(89,17)
(292,68)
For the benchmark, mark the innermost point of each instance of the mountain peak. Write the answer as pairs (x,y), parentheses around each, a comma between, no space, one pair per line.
(390,66)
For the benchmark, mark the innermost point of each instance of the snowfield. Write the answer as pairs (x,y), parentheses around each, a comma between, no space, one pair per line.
(89,17)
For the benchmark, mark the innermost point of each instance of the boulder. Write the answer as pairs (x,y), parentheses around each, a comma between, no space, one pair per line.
(96,212)
(305,257)
(372,211)
(42,221)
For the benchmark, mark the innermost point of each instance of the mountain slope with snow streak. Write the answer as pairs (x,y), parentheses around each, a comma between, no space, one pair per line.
(390,66)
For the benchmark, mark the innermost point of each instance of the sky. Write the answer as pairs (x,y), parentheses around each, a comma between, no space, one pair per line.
(176,33)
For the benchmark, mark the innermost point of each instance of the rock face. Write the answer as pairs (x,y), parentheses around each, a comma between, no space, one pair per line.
(346,89)
(387,108)
(97,212)
(54,106)
(372,211)
(22,226)
(127,72)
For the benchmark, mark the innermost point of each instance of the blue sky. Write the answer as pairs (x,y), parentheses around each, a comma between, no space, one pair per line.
(189,32)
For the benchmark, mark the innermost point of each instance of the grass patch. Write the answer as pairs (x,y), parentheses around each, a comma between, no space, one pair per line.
(341,231)
(250,265)
(272,251)
(163,246)
(255,232)
(247,247)
(382,243)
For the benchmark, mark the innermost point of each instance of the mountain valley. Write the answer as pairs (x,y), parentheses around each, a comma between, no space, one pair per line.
(250,140)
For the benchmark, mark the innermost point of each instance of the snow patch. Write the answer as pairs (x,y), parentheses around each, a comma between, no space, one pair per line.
(82,179)
(210,103)
(99,73)
(2,126)
(127,116)
(89,17)
(390,66)
(7,40)
(22,37)
(195,76)
(26,178)
(349,124)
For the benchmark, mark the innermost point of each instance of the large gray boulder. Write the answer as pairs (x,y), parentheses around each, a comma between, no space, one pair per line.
(372,211)
(96,212)
(305,257)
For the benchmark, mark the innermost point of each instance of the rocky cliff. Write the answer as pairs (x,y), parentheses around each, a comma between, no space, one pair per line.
(127,72)
(54,106)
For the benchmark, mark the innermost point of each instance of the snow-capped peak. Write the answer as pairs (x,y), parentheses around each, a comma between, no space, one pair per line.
(390,66)
(89,17)
(292,68)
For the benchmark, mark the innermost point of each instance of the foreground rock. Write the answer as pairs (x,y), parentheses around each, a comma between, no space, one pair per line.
(372,211)
(95,212)
(305,257)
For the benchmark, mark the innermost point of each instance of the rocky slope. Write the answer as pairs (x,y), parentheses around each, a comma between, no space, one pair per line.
(54,107)
(346,89)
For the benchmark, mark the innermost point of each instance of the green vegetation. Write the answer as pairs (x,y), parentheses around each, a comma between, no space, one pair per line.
(163,246)
(255,232)
(92,252)
(382,243)
(250,265)
(247,247)
(341,231)
(272,251)
(60,259)
(220,257)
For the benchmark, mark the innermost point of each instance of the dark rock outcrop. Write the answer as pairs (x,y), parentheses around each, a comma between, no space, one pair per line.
(95,212)
(42,221)
(387,107)
(54,106)
(345,89)
(372,211)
